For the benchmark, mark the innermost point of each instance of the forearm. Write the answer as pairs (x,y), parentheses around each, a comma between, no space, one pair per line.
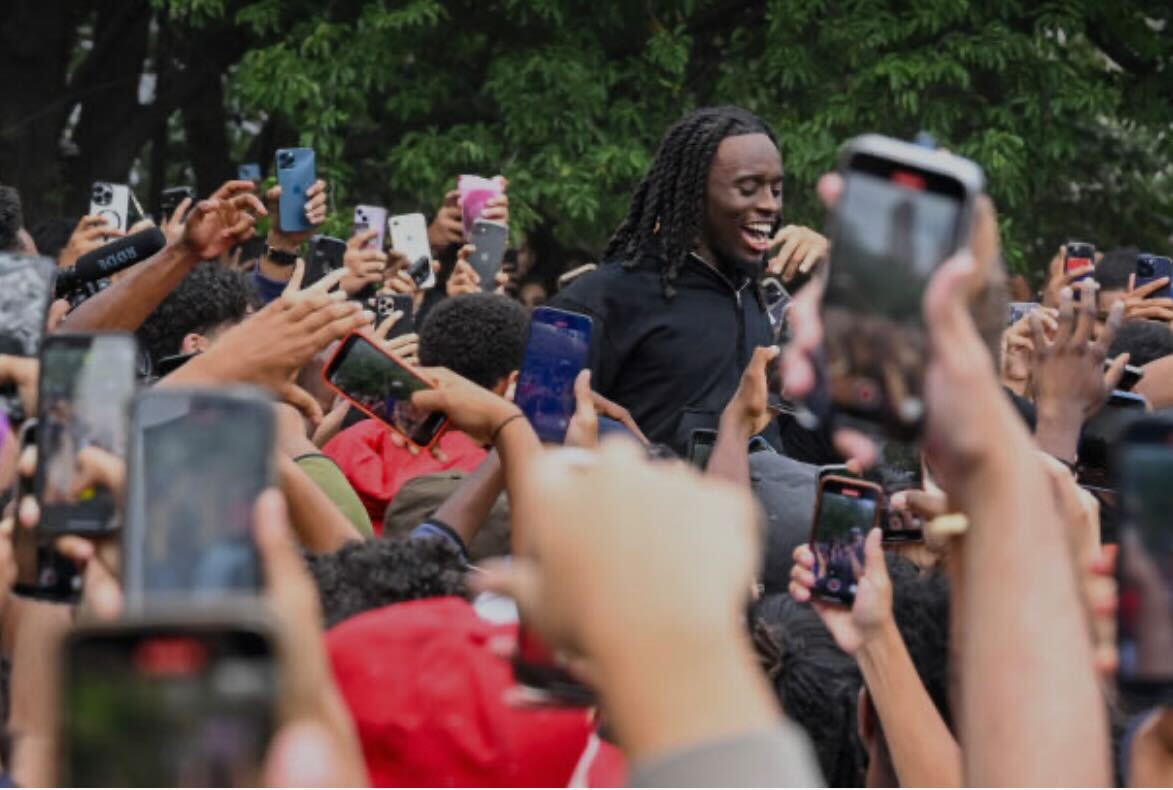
(468,507)
(924,751)
(730,457)
(1036,683)
(127,303)
(1057,431)
(519,449)
(319,525)
(34,689)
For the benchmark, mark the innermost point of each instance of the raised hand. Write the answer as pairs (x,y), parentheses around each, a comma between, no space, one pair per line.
(315,213)
(224,220)
(364,265)
(1058,279)
(91,233)
(448,227)
(464,279)
(801,250)
(1140,304)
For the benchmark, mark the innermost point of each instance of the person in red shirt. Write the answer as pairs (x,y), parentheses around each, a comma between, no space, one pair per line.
(482,337)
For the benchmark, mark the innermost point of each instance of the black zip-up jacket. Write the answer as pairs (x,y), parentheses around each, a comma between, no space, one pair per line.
(673,363)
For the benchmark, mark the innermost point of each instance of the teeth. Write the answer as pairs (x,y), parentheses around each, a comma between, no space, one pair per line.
(760,228)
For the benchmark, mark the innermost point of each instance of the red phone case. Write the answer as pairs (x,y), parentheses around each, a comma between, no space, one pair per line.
(412,371)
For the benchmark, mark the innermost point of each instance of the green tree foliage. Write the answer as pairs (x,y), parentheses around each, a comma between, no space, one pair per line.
(1065,103)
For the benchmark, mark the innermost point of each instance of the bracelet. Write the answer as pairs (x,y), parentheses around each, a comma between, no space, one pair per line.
(501,427)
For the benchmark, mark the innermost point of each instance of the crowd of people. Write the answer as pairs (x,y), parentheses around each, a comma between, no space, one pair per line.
(404,588)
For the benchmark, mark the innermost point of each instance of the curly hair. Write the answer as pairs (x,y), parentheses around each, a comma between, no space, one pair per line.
(371,574)
(1114,268)
(668,206)
(1145,341)
(210,296)
(920,606)
(11,219)
(480,336)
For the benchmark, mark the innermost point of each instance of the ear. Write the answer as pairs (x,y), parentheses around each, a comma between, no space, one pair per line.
(193,343)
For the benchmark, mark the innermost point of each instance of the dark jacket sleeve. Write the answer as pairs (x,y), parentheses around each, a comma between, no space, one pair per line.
(781,757)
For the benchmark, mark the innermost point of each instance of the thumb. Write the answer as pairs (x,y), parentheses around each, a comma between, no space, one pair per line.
(302,754)
(305,403)
(516,578)
(873,556)
(294,284)
(945,306)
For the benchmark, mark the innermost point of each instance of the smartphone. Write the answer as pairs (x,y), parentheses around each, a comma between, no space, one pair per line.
(381,385)
(845,510)
(188,702)
(1130,378)
(296,173)
(1142,469)
(897,468)
(1016,311)
(112,203)
(557,350)
(904,210)
(475,192)
(326,255)
(777,300)
(249,171)
(1151,267)
(387,303)
(170,200)
(42,572)
(700,447)
(1077,255)
(1100,432)
(368,218)
(26,286)
(87,382)
(198,460)
(409,235)
(490,240)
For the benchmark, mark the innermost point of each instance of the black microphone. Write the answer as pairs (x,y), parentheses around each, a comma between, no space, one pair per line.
(111,258)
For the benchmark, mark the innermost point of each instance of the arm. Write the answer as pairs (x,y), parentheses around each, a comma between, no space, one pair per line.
(924,752)
(34,703)
(468,507)
(748,413)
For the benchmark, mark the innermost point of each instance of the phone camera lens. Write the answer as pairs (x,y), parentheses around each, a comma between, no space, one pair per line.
(285,159)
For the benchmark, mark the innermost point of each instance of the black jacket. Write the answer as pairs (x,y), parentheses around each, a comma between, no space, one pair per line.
(673,363)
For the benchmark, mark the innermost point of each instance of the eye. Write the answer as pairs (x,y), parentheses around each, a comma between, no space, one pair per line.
(776,190)
(747,190)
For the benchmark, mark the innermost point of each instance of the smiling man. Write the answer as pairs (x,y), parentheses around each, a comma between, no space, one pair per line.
(676,306)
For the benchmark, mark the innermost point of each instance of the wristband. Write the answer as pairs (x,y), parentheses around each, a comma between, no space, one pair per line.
(501,427)
(280,257)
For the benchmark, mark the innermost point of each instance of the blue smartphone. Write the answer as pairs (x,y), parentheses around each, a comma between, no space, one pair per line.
(296,173)
(249,171)
(557,350)
(1151,267)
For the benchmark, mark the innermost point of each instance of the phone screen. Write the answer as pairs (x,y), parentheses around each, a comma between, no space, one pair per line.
(24,300)
(846,511)
(556,352)
(700,447)
(167,706)
(199,460)
(87,382)
(1145,570)
(894,225)
(490,240)
(382,388)
(897,468)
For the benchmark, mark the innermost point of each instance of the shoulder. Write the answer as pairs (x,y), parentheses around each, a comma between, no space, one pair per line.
(613,283)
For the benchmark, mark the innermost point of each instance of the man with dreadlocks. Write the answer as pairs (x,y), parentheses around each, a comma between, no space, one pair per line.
(676,307)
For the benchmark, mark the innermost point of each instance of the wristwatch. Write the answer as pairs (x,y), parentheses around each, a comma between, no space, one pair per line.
(280,257)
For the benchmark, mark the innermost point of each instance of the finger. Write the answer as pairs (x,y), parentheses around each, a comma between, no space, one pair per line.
(1115,371)
(78,550)
(1038,338)
(926,504)
(305,403)
(57,312)
(1086,319)
(855,446)
(799,593)
(382,330)
(360,239)
(28,514)
(1149,288)
(1111,327)
(812,257)
(316,189)
(830,189)
(294,284)
(180,210)
(1070,277)
(1148,313)
(96,467)
(230,188)
(873,553)
(585,417)
(327,283)
(803,556)
(517,579)
(247,221)
(1066,316)
(439,454)
(26,465)
(250,203)
(786,265)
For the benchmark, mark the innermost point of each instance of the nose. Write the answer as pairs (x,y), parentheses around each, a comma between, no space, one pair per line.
(768,202)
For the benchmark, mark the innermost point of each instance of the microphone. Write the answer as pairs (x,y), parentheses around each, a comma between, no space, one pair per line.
(111,258)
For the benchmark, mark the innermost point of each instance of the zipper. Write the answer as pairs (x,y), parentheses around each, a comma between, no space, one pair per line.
(742,358)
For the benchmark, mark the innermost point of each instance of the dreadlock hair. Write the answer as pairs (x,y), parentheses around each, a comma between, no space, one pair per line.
(668,205)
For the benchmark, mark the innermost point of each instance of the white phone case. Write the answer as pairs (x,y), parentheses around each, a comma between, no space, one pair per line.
(409,235)
(111,201)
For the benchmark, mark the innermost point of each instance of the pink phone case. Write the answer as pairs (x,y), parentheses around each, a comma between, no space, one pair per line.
(475,192)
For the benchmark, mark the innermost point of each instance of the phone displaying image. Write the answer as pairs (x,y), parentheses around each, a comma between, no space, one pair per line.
(1078,255)
(112,203)
(1151,267)
(25,289)
(1016,311)
(777,300)
(557,350)
(198,461)
(296,173)
(381,385)
(490,240)
(326,255)
(170,200)
(1143,469)
(475,192)
(409,236)
(87,382)
(845,510)
(387,303)
(42,572)
(371,217)
(700,447)
(904,210)
(897,468)
(1100,432)
(167,704)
